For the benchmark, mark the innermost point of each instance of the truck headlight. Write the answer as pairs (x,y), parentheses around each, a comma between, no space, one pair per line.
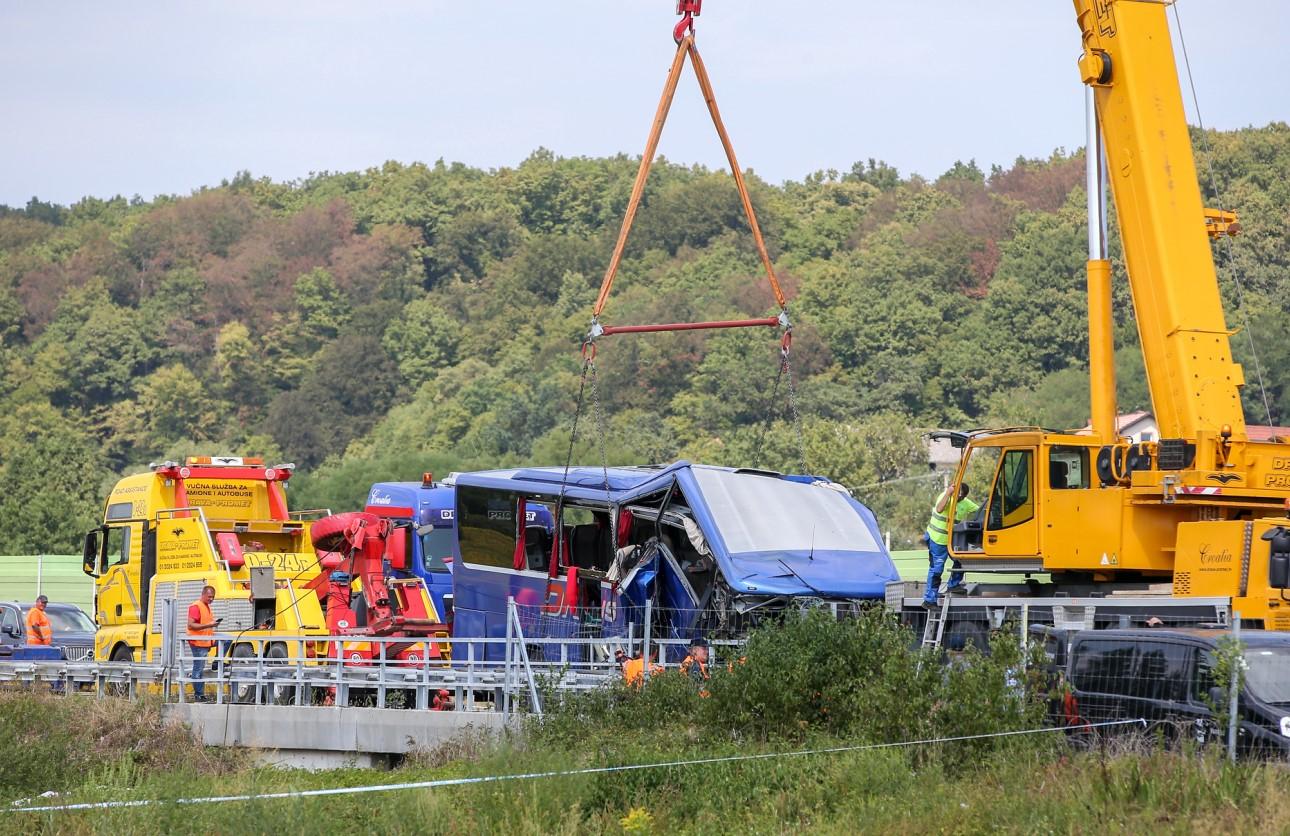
(1285,726)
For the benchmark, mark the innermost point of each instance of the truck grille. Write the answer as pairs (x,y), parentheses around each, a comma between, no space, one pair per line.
(78,652)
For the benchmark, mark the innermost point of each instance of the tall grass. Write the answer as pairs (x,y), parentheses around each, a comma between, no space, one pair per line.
(810,683)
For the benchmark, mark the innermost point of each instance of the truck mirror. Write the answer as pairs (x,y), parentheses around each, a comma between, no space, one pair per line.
(1278,557)
(1218,696)
(90,554)
(396,548)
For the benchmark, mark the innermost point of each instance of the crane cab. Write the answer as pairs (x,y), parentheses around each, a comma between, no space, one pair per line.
(1045,507)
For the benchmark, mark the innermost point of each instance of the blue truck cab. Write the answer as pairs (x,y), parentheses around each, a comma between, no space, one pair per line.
(430,507)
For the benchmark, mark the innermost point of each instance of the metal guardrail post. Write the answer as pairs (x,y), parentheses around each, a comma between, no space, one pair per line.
(1234,687)
(645,640)
(510,650)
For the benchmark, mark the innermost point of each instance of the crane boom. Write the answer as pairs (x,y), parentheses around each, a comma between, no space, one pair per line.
(1128,60)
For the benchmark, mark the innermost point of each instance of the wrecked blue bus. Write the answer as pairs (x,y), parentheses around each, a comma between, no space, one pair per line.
(715,550)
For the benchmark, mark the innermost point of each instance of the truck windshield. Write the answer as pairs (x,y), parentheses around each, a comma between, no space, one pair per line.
(1268,673)
(435,546)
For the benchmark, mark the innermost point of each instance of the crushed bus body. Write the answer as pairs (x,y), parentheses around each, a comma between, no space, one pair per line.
(713,550)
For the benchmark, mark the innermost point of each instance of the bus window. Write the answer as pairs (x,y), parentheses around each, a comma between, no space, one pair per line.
(486,526)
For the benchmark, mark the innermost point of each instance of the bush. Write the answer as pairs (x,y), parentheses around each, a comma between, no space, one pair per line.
(861,680)
(52,742)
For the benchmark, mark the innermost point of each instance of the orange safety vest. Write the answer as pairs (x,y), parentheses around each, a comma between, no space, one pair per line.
(38,631)
(204,617)
(634,671)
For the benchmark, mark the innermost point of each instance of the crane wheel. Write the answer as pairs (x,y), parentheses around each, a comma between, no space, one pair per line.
(328,534)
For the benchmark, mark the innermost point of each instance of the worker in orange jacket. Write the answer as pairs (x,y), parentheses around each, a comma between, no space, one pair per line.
(201,623)
(634,669)
(38,629)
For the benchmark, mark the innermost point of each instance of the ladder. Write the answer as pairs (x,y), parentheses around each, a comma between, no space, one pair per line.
(934,628)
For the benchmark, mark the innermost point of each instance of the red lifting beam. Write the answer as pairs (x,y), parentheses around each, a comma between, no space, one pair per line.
(770,321)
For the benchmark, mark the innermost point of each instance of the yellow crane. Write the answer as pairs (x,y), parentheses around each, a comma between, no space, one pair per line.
(1203,506)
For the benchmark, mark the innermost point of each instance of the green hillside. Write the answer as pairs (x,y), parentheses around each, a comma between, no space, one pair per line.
(418,317)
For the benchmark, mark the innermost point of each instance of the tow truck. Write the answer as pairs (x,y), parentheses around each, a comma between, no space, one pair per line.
(220,521)
(372,553)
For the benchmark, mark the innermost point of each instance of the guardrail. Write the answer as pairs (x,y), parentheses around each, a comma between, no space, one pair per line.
(507,674)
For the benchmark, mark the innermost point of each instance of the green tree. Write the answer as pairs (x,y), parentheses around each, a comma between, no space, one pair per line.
(423,340)
(51,470)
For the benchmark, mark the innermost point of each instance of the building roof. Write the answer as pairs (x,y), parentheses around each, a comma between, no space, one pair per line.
(1255,432)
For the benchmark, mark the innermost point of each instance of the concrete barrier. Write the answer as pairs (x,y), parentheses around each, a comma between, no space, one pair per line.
(315,737)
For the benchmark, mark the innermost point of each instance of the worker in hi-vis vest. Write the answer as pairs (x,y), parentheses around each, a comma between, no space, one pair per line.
(938,544)
(201,630)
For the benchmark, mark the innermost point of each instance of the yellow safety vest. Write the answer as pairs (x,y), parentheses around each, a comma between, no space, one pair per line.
(938,527)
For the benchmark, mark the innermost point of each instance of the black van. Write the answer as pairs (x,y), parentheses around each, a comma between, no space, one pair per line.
(1165,677)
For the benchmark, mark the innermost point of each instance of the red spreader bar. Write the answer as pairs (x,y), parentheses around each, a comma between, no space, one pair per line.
(770,321)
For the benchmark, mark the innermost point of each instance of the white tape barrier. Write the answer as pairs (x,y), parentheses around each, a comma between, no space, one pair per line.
(527,776)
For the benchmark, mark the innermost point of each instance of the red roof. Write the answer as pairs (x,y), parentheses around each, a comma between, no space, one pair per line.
(1258,432)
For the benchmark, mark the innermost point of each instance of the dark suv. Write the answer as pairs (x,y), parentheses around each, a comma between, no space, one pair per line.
(73,630)
(1166,677)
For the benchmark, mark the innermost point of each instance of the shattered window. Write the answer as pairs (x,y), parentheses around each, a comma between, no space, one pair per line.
(756,513)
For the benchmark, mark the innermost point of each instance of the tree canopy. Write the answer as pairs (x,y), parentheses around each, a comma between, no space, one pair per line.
(374,324)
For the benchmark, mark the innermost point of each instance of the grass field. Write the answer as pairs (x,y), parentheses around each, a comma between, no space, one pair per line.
(1027,788)
(832,685)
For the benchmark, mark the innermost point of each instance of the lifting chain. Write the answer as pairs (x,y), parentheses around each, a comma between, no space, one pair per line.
(785,370)
(599,415)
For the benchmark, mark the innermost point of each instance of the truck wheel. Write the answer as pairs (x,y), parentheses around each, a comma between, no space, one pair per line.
(120,653)
(972,633)
(280,694)
(243,692)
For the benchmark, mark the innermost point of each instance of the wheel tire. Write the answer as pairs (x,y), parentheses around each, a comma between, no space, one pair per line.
(120,653)
(328,534)
(242,692)
(973,632)
(280,694)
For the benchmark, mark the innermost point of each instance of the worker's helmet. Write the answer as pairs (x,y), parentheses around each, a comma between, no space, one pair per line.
(41,599)
(698,641)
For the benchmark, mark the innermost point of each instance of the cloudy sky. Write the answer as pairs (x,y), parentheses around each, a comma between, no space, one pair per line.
(136,97)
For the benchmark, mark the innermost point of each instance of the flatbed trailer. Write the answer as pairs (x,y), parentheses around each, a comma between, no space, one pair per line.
(973,617)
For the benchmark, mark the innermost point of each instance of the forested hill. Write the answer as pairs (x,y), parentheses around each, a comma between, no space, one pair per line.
(376,324)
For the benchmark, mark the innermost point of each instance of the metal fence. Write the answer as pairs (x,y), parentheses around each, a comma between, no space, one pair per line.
(1190,678)
(58,576)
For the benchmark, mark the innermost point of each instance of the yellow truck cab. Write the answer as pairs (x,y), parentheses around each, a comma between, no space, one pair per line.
(221,521)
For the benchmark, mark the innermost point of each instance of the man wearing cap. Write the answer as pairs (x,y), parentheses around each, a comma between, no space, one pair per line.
(696,664)
(38,629)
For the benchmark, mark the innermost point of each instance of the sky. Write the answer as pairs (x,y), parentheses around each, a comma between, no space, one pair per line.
(132,97)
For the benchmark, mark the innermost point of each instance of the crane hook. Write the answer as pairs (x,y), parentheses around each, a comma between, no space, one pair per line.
(688,10)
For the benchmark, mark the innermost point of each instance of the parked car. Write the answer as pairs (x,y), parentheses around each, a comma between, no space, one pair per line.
(1166,678)
(73,630)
